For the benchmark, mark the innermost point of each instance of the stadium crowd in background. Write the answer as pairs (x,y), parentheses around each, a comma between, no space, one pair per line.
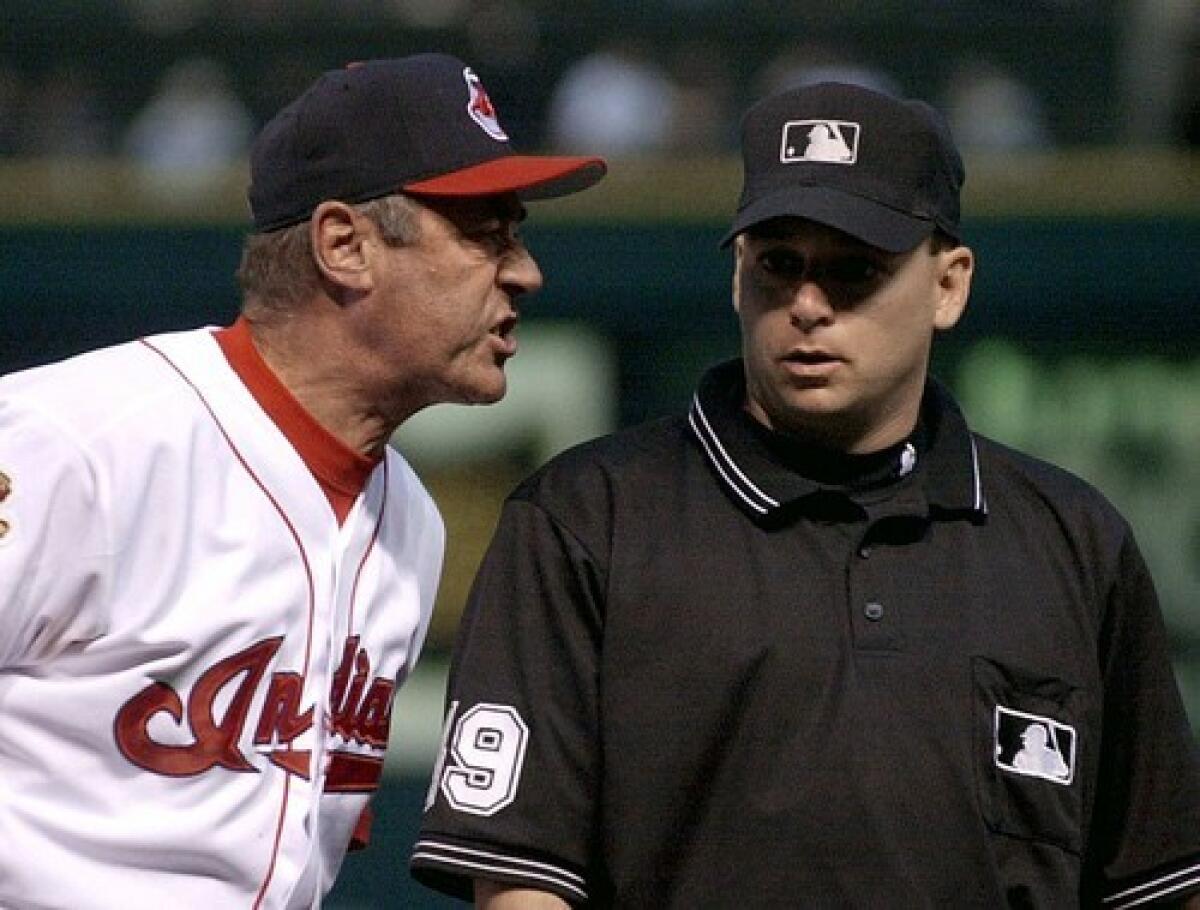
(658,81)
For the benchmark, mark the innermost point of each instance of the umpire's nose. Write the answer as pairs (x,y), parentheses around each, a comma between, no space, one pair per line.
(810,306)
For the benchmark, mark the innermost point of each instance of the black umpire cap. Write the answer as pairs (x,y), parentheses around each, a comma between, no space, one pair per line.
(882,169)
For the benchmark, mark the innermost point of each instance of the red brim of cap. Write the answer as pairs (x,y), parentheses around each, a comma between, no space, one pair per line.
(529,176)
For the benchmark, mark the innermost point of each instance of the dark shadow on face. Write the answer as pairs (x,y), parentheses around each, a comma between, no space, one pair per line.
(792,251)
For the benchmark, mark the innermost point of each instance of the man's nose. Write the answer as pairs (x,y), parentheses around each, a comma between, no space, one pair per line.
(520,272)
(810,306)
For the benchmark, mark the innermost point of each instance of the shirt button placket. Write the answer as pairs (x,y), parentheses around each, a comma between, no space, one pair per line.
(873,621)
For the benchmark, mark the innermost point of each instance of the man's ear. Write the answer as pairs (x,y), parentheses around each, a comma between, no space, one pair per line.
(341,243)
(955,267)
(738,242)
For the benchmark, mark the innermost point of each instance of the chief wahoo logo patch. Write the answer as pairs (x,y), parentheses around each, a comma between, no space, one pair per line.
(480,107)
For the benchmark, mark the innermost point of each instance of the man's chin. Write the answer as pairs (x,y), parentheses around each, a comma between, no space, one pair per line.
(486,393)
(805,407)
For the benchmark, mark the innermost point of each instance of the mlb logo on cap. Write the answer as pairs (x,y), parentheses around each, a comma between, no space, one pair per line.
(822,141)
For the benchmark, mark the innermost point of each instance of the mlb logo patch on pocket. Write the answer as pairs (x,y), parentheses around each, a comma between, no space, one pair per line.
(1034,746)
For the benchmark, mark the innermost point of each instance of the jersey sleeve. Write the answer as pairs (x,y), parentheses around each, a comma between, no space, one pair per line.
(512,797)
(1145,842)
(54,545)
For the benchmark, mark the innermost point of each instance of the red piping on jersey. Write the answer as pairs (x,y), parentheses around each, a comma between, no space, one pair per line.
(287,778)
(370,548)
(361,835)
(341,471)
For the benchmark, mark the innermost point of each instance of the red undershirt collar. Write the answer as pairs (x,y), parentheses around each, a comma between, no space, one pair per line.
(341,472)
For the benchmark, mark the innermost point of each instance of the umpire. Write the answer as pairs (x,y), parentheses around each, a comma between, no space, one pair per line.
(817,643)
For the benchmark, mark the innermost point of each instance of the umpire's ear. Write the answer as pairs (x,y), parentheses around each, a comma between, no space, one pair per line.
(738,242)
(955,267)
(341,241)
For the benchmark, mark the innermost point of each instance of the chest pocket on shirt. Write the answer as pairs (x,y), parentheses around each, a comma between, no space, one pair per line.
(1028,754)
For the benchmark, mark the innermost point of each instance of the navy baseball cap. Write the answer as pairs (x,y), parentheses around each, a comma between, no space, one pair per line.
(880,168)
(422,124)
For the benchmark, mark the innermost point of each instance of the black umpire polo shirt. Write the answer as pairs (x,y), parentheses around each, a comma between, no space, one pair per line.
(688,676)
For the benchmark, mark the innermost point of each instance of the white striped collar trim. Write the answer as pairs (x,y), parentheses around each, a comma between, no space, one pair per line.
(761,502)
(980,499)
(736,479)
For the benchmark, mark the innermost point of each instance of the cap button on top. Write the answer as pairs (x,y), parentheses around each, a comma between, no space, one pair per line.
(873,611)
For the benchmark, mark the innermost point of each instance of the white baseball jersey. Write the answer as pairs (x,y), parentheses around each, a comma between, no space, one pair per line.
(197,662)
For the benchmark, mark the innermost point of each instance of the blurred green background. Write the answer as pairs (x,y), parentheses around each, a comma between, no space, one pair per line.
(123,130)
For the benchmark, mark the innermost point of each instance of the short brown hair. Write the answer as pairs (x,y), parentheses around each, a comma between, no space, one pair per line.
(277,269)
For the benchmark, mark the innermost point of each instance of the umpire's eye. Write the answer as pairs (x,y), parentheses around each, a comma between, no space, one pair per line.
(853,271)
(784,263)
